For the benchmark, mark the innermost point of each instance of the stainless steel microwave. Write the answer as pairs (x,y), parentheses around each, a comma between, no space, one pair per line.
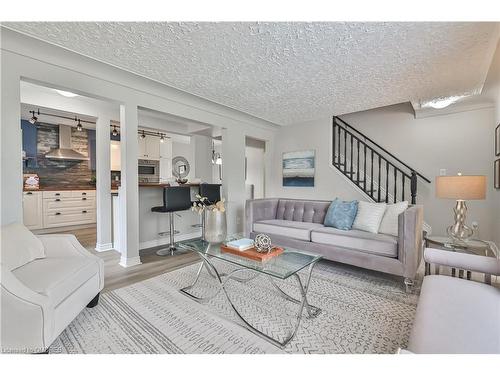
(148,168)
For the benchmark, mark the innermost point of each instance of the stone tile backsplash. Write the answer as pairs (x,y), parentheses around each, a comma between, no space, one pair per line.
(61,173)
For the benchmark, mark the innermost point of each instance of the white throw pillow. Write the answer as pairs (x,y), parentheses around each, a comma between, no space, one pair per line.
(389,224)
(369,216)
(19,246)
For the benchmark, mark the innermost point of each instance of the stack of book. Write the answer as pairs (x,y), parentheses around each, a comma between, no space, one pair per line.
(245,247)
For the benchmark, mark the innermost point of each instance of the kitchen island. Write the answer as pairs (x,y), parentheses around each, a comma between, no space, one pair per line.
(152,223)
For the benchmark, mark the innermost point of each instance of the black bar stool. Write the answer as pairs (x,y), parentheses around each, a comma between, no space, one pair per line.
(212,193)
(175,198)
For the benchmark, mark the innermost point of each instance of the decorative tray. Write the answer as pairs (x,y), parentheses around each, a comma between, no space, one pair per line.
(252,253)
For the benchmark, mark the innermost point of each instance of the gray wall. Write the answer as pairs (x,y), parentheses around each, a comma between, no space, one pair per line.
(456,142)
(492,91)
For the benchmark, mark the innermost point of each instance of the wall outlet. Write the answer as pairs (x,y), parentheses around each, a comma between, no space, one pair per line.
(442,172)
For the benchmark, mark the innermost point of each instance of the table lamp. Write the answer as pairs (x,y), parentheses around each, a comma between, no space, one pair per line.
(461,188)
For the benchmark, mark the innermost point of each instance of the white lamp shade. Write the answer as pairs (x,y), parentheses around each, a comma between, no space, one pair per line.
(461,187)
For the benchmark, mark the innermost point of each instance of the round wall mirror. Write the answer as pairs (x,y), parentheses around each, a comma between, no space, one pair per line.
(180,167)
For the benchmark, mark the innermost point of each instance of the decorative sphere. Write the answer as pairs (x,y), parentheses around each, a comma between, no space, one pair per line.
(262,243)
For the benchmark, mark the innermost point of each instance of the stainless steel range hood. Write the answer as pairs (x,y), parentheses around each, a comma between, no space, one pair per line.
(65,152)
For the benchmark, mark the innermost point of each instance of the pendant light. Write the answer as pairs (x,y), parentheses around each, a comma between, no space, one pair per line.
(143,135)
(33,118)
(114,133)
(162,138)
(79,127)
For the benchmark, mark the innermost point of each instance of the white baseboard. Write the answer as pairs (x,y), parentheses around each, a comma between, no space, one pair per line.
(166,240)
(130,262)
(103,247)
(134,261)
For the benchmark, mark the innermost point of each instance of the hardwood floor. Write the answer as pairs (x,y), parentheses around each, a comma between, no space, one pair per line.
(116,276)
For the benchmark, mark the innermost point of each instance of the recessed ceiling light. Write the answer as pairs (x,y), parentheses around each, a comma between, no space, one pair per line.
(67,94)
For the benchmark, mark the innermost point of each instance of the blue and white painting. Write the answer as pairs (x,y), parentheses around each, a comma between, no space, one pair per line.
(298,168)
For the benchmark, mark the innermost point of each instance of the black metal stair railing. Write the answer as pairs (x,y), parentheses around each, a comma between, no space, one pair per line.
(373,169)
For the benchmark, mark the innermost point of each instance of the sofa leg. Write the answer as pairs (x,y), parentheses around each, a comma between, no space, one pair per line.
(409,284)
(94,301)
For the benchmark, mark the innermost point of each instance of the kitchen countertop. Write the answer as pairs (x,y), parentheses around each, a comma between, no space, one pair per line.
(62,188)
(113,187)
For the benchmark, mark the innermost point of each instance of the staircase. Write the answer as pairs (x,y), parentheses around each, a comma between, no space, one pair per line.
(374,170)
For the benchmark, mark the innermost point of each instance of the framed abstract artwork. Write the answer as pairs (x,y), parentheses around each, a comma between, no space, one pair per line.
(497,140)
(497,174)
(298,168)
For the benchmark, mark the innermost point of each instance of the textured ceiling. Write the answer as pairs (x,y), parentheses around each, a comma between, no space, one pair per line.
(290,72)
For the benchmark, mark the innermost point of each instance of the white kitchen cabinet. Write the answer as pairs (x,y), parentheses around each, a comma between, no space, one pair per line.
(32,209)
(166,148)
(153,147)
(165,159)
(141,152)
(149,147)
(68,207)
(115,156)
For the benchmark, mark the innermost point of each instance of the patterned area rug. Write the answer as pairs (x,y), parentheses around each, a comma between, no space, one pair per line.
(362,312)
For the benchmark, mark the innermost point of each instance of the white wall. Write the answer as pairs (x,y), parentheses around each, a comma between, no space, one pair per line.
(255,166)
(492,91)
(456,142)
(203,157)
(188,151)
(313,135)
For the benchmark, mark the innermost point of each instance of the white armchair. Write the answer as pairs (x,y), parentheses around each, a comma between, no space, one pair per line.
(456,315)
(46,282)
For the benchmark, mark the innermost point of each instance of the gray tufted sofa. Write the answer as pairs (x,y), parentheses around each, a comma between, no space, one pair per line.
(299,224)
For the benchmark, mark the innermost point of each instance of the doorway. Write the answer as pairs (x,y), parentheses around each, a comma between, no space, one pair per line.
(255,150)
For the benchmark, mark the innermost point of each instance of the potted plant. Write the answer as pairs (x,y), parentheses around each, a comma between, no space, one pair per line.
(214,217)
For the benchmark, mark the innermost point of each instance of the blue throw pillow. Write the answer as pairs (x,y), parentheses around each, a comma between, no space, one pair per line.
(341,214)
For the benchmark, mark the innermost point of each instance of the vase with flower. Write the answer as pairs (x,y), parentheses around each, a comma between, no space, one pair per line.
(214,227)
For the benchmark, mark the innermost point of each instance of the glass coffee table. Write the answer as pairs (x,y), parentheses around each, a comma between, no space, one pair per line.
(281,267)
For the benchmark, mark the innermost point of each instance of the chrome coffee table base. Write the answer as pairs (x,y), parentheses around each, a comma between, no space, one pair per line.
(222,280)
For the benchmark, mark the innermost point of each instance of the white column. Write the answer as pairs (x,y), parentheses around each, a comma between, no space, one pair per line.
(233,177)
(129,191)
(103,188)
(11,147)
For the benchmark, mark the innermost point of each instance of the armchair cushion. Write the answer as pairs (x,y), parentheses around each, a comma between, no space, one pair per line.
(19,246)
(58,277)
(456,316)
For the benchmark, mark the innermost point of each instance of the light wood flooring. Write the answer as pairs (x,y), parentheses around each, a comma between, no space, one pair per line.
(116,276)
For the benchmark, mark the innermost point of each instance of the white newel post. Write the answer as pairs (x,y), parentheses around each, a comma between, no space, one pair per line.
(103,186)
(129,191)
(233,177)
